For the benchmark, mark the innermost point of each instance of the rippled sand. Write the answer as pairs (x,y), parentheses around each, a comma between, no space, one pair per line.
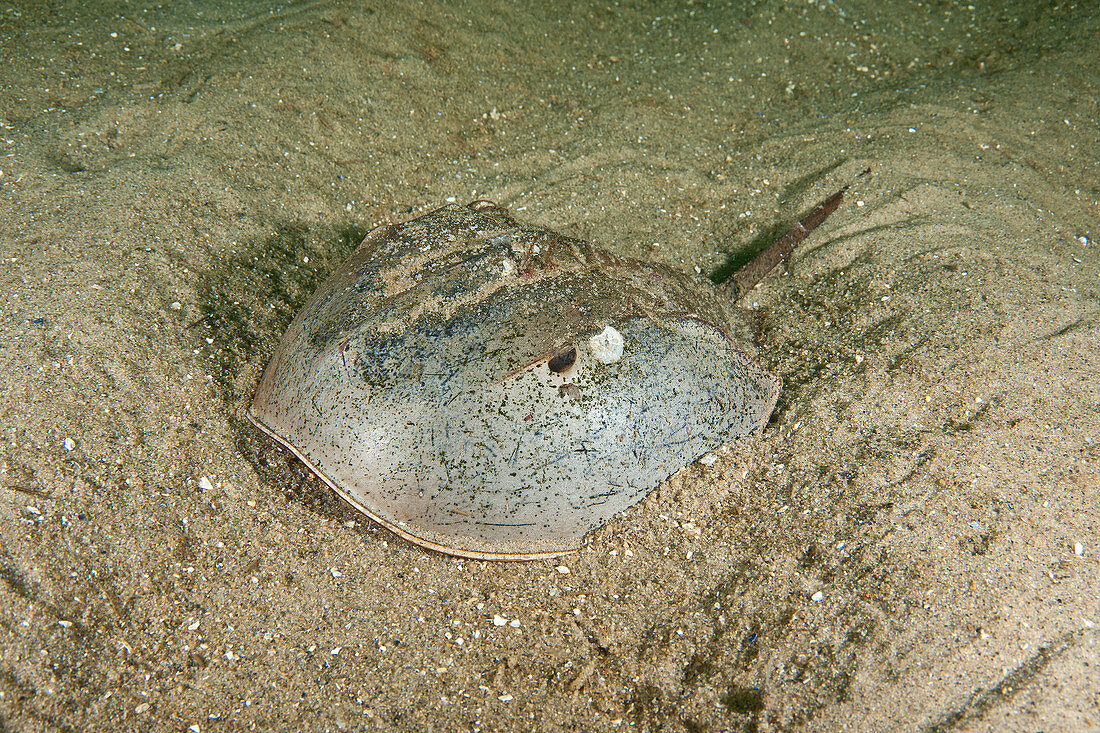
(912,545)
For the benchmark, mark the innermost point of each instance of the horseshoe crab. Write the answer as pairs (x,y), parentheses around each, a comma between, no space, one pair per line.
(495,390)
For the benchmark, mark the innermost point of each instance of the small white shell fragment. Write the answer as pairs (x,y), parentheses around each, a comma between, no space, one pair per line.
(69,444)
(205,485)
(607,345)
(817,597)
(499,620)
(709,459)
(563,570)
(1078,549)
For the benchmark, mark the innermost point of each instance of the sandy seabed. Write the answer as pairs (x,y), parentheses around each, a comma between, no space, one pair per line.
(912,544)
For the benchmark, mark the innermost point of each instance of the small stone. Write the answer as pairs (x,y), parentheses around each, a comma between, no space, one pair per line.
(1078,549)
(817,597)
(69,444)
(205,485)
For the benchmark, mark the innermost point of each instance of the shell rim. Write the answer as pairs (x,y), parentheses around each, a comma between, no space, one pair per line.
(397,530)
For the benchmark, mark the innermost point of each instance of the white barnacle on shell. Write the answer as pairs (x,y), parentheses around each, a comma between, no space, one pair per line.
(607,345)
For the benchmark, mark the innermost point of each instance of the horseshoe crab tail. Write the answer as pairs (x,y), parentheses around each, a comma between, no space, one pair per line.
(778,251)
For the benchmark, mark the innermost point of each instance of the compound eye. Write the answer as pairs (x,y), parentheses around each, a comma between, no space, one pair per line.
(560,362)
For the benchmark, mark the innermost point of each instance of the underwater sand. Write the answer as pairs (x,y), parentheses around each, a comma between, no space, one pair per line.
(914,543)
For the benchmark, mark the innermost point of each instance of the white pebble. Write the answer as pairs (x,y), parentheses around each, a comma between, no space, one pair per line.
(1078,549)
(335,573)
(563,570)
(607,345)
(69,444)
(499,620)
(817,597)
(709,459)
(506,698)
(205,485)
